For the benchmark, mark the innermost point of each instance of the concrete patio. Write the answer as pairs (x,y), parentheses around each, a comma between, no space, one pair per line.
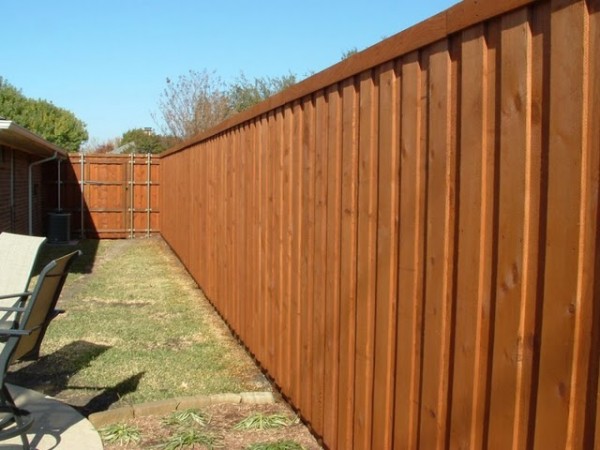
(55,426)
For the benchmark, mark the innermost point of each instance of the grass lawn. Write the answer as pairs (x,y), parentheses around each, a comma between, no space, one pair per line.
(136,329)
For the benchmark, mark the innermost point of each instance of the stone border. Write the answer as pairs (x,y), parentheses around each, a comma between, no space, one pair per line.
(160,407)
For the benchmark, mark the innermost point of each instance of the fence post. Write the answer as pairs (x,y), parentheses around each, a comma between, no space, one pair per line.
(82,203)
(148,183)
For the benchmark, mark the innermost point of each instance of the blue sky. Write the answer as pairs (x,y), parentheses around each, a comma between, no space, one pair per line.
(107,61)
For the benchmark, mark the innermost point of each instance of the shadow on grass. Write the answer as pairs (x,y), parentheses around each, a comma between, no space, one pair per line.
(83,264)
(51,374)
(110,395)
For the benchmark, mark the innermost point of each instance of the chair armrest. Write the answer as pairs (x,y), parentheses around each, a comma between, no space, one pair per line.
(12,332)
(11,309)
(20,294)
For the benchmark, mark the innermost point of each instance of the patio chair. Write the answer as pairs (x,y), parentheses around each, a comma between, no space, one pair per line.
(21,330)
(17,258)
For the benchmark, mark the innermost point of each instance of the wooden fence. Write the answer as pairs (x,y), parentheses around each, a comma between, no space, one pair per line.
(108,196)
(408,241)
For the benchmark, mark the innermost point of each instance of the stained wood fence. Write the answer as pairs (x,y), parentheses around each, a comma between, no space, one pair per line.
(108,196)
(408,241)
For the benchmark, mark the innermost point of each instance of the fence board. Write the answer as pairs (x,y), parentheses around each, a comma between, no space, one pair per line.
(366,258)
(320,274)
(590,433)
(410,276)
(333,265)
(513,238)
(297,246)
(563,315)
(287,249)
(308,252)
(475,203)
(387,256)
(348,262)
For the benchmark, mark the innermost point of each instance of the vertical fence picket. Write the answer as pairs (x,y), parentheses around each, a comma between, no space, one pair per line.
(411,245)
(472,317)
(348,263)
(387,257)
(366,259)
(333,266)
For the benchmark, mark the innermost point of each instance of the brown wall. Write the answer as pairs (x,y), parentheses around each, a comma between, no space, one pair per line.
(408,241)
(14,210)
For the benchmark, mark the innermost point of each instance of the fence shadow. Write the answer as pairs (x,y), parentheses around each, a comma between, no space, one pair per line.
(82,265)
(61,193)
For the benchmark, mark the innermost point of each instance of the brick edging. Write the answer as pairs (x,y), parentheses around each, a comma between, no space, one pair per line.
(159,407)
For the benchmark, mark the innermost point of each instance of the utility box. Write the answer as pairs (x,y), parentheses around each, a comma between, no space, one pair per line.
(59,228)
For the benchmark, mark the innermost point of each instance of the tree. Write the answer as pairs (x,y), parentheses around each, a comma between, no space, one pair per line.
(244,93)
(144,140)
(95,145)
(200,100)
(56,125)
(348,53)
(193,103)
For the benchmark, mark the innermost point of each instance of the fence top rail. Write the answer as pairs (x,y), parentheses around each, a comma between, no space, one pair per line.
(453,20)
(115,157)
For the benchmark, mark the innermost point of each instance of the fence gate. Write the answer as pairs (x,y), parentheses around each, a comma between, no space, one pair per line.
(108,196)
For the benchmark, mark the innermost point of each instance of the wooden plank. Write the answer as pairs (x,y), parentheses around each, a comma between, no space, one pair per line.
(191,230)
(308,254)
(366,260)
(297,249)
(287,231)
(410,274)
(201,177)
(278,311)
(262,215)
(242,235)
(348,262)
(592,431)
(320,260)
(562,379)
(230,149)
(474,260)
(387,257)
(518,201)
(254,184)
(333,264)
(272,253)
(220,232)
(239,274)
(439,251)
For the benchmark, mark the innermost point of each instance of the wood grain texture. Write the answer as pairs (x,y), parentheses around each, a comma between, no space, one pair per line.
(408,243)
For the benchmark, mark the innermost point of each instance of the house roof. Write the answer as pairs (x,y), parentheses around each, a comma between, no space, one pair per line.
(15,136)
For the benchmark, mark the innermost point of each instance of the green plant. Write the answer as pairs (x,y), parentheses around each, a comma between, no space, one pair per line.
(187,438)
(260,421)
(278,445)
(120,433)
(187,417)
